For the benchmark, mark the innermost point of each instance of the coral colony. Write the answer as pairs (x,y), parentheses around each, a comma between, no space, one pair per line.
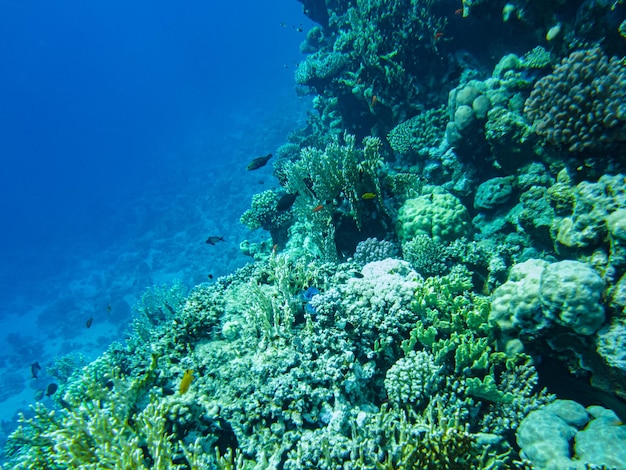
(445,287)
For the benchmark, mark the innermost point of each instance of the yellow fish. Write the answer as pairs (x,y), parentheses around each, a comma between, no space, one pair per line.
(186,381)
(368,196)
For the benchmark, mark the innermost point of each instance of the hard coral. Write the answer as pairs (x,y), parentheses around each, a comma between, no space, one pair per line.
(582,104)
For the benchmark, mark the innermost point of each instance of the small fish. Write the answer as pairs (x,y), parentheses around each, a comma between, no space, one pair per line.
(185,382)
(458,11)
(210,276)
(259,162)
(34,369)
(51,389)
(438,36)
(214,240)
(109,308)
(318,208)
(368,196)
(285,202)
(89,322)
(374,101)
(357,274)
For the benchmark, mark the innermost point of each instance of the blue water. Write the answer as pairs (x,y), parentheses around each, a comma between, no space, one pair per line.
(125,130)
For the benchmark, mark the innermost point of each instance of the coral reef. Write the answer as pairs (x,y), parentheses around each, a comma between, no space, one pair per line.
(414,136)
(437,214)
(564,434)
(373,61)
(581,104)
(453,230)
(264,213)
(539,295)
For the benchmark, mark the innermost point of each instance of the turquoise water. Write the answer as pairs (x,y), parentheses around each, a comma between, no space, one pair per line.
(337,235)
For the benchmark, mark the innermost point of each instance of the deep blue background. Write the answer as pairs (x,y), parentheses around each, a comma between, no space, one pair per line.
(94,95)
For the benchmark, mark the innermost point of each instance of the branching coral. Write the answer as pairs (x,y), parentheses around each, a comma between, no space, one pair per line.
(157,305)
(336,174)
(95,434)
(374,48)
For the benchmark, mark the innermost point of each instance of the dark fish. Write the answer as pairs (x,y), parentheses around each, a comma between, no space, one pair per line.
(259,162)
(51,389)
(214,240)
(65,404)
(109,308)
(210,276)
(285,202)
(89,322)
(34,369)
(357,274)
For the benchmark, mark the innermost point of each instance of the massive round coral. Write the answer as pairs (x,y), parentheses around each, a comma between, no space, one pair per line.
(581,105)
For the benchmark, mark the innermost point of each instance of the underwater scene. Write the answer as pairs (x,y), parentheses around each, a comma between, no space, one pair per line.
(330,234)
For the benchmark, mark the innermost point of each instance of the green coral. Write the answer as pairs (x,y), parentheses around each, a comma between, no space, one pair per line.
(437,214)
(537,58)
(277,383)
(427,256)
(340,172)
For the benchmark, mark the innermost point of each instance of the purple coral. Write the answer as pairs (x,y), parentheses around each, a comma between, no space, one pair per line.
(582,104)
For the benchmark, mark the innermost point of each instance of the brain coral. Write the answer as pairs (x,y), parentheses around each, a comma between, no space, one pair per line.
(581,105)
(439,215)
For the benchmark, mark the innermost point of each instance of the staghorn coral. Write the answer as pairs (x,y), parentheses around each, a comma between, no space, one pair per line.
(581,105)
